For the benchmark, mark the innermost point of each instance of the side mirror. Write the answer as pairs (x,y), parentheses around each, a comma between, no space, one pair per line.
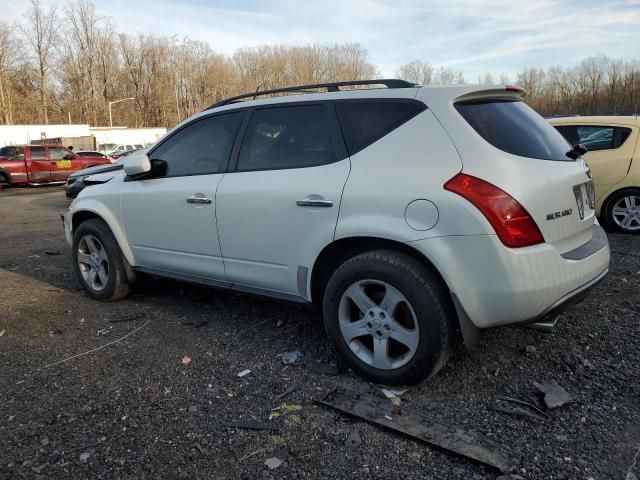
(136,165)
(580,149)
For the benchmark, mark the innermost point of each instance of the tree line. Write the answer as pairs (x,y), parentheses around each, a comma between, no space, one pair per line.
(67,64)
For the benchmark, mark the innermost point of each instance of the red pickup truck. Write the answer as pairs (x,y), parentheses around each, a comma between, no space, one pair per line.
(41,164)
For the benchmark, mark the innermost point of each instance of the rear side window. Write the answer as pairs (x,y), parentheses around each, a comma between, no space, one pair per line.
(202,147)
(364,122)
(595,137)
(286,137)
(37,153)
(12,152)
(515,128)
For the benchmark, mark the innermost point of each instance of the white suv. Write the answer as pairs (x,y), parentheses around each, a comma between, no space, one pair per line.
(403,212)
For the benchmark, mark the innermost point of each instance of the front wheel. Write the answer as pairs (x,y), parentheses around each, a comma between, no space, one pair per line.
(622,212)
(389,318)
(98,261)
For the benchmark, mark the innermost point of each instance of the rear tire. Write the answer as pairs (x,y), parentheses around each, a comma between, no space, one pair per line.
(622,211)
(400,331)
(98,261)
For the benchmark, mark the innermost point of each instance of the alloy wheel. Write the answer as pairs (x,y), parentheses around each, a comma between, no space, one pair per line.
(626,213)
(93,262)
(378,324)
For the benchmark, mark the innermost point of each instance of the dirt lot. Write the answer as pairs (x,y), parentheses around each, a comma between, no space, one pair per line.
(130,410)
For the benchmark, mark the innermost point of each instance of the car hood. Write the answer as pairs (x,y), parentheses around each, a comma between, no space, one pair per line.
(96,169)
(102,177)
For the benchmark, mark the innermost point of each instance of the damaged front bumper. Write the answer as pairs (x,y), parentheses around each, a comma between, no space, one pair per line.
(66,225)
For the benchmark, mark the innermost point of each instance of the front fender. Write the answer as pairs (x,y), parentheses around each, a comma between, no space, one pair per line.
(109,214)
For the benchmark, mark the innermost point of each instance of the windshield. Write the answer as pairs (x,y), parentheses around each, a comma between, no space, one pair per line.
(515,128)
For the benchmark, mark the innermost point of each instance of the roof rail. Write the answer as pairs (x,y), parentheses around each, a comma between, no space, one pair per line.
(331,87)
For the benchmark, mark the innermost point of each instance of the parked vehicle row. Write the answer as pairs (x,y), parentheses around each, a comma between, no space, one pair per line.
(99,174)
(31,164)
(404,213)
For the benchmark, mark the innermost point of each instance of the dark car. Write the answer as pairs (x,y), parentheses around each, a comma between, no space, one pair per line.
(75,183)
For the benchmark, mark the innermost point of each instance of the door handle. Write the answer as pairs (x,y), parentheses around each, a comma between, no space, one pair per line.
(315,203)
(199,200)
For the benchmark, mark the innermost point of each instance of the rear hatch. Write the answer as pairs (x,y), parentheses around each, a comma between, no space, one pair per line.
(509,145)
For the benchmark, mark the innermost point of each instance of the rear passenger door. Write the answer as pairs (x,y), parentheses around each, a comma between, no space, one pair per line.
(279,206)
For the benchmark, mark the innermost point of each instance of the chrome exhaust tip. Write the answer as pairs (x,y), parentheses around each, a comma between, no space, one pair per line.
(545,325)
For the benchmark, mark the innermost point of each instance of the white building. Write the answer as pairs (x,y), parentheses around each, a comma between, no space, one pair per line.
(24,134)
(127,136)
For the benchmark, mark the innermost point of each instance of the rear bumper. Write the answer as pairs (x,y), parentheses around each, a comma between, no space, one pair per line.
(495,285)
(546,320)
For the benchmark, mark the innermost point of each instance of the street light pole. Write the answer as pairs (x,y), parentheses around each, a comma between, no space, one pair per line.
(113,102)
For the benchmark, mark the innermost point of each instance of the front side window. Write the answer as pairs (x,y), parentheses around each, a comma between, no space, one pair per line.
(37,153)
(515,128)
(595,137)
(56,153)
(286,137)
(202,147)
(364,122)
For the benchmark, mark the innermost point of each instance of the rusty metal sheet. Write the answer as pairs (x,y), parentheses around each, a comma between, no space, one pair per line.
(384,413)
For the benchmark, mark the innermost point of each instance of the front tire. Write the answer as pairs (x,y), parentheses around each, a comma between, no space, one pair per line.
(622,211)
(388,316)
(98,261)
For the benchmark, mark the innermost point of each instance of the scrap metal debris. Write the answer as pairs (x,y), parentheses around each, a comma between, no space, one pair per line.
(516,411)
(322,368)
(281,455)
(554,395)
(522,402)
(381,412)
(244,373)
(52,252)
(290,389)
(250,425)
(393,395)
(353,440)
(289,358)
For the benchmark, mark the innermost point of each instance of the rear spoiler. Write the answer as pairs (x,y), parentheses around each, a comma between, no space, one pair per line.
(508,92)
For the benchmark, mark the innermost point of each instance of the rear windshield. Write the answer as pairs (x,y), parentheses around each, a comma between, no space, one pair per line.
(515,128)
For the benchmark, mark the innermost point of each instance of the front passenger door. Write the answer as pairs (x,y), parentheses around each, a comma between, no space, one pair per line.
(170,221)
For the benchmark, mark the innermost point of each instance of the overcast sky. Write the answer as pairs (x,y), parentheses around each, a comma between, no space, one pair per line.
(475,36)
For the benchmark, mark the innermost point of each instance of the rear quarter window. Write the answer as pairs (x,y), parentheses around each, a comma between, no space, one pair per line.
(364,122)
(515,128)
(595,137)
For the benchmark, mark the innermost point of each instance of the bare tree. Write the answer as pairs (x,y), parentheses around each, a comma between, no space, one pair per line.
(8,56)
(39,31)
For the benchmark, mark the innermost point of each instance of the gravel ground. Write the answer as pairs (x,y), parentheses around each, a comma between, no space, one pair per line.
(130,410)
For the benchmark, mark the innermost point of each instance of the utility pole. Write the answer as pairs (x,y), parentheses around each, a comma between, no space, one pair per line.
(114,102)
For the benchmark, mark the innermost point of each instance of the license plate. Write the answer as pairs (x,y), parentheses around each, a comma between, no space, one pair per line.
(63,164)
(585,196)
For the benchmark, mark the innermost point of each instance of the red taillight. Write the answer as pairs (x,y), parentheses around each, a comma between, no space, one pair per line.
(512,223)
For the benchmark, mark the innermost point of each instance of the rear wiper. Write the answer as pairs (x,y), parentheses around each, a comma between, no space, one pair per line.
(576,151)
